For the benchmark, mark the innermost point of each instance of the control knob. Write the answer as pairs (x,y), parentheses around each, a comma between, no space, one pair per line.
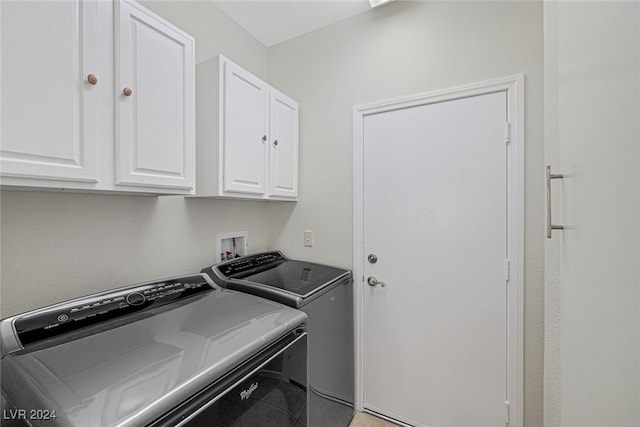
(135,298)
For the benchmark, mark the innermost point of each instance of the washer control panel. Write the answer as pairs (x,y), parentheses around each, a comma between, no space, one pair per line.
(250,264)
(72,315)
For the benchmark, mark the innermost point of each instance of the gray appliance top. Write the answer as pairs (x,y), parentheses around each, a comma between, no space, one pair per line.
(274,276)
(129,374)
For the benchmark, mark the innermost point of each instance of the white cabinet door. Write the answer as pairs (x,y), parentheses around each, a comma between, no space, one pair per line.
(245,131)
(48,114)
(155,101)
(283,154)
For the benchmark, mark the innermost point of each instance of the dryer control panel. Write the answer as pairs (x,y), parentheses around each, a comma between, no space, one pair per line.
(71,316)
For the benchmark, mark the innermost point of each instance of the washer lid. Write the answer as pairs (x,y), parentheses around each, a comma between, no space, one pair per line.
(270,272)
(131,375)
(298,277)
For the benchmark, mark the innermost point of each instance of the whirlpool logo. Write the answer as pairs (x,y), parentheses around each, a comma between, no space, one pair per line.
(245,394)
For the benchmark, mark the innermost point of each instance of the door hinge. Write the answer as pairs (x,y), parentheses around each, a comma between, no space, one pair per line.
(507,132)
(507,270)
(507,413)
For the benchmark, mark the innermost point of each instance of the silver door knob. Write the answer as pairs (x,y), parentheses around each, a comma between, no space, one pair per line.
(372,258)
(373,281)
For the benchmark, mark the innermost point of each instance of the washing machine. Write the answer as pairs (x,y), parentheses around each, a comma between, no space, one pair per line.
(325,294)
(175,352)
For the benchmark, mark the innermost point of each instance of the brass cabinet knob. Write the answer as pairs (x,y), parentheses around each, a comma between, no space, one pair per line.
(275,142)
(92,79)
(127,91)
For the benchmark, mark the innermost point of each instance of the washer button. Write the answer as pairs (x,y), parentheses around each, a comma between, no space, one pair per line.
(135,298)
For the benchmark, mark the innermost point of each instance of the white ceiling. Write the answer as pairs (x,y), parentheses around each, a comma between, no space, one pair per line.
(275,21)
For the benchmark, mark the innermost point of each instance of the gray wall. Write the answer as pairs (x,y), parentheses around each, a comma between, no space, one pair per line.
(402,49)
(57,246)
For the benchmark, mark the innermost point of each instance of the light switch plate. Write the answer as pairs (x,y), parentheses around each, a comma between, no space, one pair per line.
(308,238)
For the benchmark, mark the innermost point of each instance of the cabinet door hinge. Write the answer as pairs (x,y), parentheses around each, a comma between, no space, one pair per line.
(507,270)
(507,132)
(507,414)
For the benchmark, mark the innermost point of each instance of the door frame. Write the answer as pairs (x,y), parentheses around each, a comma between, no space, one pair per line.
(514,138)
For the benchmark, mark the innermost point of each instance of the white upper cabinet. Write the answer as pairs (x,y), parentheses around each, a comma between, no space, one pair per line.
(66,121)
(155,101)
(247,135)
(49,108)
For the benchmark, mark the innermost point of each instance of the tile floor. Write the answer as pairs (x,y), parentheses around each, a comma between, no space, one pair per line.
(366,420)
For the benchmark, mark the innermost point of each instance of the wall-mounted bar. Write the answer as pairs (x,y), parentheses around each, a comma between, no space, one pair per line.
(550,226)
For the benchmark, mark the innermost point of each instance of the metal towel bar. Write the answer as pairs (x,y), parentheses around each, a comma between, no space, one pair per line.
(550,226)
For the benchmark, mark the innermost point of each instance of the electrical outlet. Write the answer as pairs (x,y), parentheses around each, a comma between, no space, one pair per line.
(308,238)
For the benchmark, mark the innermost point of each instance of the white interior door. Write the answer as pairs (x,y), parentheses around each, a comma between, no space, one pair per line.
(435,216)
